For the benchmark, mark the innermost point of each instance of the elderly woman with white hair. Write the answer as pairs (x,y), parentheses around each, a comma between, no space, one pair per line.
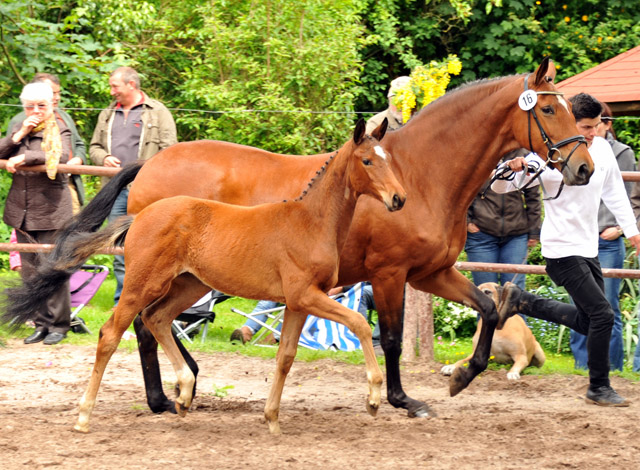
(39,203)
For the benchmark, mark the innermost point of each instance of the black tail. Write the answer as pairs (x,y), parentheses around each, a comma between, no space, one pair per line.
(25,301)
(96,212)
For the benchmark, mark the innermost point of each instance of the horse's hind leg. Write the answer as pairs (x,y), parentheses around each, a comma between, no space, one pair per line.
(183,292)
(148,349)
(289,336)
(110,335)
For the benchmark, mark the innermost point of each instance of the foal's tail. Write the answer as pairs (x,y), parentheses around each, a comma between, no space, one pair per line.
(24,302)
(96,212)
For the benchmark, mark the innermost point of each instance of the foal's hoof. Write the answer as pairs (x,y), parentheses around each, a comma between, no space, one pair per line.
(181,410)
(372,408)
(80,428)
(458,381)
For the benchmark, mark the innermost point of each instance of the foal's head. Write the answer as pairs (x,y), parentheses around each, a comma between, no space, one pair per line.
(370,168)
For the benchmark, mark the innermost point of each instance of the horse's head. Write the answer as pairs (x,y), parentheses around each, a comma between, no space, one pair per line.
(370,168)
(545,124)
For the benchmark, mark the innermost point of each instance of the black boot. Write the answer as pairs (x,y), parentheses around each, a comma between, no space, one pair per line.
(509,303)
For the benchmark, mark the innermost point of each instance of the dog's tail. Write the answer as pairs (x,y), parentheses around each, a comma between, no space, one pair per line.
(25,301)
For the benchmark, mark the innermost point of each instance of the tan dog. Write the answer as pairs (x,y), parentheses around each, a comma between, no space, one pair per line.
(514,343)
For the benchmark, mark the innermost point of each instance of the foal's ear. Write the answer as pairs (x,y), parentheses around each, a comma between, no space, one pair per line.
(358,133)
(541,72)
(379,132)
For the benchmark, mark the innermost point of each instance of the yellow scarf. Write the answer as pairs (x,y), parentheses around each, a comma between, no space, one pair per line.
(51,144)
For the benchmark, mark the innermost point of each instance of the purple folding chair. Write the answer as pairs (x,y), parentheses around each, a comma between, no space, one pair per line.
(83,285)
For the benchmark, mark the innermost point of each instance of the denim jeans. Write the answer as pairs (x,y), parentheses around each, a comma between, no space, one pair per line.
(484,248)
(261,306)
(119,209)
(636,356)
(611,255)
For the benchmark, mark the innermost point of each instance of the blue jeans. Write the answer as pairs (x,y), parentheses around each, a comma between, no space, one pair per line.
(261,306)
(611,255)
(119,209)
(484,248)
(636,356)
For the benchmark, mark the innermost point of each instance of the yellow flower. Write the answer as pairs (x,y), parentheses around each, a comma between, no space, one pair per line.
(538,2)
(585,17)
(564,7)
(580,36)
(567,19)
(599,39)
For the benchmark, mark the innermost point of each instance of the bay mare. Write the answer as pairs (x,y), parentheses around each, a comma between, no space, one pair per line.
(441,157)
(179,248)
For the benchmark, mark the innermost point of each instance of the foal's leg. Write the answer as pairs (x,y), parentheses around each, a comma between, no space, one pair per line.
(289,336)
(183,292)
(110,335)
(451,284)
(315,302)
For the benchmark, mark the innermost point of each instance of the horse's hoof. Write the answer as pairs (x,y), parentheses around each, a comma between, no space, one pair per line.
(274,428)
(80,428)
(166,405)
(180,410)
(458,381)
(422,412)
(372,408)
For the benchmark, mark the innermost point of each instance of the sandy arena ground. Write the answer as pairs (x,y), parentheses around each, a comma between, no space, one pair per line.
(536,423)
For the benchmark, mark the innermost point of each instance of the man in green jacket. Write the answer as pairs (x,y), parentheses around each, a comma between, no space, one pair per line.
(133,127)
(78,147)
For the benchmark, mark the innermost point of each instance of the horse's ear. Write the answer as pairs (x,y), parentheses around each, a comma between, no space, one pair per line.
(358,133)
(542,71)
(379,132)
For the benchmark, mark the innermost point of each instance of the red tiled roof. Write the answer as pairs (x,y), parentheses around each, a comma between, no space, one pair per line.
(616,80)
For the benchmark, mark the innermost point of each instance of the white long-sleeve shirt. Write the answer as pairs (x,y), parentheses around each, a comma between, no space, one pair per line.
(570,226)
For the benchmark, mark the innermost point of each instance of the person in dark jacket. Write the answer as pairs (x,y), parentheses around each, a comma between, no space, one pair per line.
(501,228)
(39,203)
(78,148)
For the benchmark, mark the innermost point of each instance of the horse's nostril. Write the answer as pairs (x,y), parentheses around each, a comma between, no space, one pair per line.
(398,202)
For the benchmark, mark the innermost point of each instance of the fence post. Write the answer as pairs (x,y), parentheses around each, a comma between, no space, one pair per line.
(417,333)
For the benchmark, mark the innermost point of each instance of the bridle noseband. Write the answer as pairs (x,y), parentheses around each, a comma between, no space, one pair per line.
(552,148)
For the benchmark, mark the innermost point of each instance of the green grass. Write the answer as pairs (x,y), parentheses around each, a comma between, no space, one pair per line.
(448,353)
(226,321)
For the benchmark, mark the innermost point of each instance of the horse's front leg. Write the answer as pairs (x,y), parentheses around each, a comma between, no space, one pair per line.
(148,349)
(317,303)
(289,336)
(389,299)
(452,285)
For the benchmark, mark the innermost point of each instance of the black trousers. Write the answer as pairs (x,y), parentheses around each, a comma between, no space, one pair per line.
(57,315)
(591,315)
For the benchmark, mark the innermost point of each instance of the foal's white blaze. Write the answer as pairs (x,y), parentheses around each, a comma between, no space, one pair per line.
(381,153)
(563,103)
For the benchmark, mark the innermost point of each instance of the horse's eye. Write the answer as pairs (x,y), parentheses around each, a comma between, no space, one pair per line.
(367,162)
(548,110)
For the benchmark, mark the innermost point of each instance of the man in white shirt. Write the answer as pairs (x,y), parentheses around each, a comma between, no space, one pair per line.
(569,239)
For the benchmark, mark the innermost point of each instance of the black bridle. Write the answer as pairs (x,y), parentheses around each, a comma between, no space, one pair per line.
(551,147)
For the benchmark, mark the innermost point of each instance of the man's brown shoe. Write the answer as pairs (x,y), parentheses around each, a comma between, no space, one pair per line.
(243,334)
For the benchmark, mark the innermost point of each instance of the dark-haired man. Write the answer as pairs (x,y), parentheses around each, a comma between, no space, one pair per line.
(569,239)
